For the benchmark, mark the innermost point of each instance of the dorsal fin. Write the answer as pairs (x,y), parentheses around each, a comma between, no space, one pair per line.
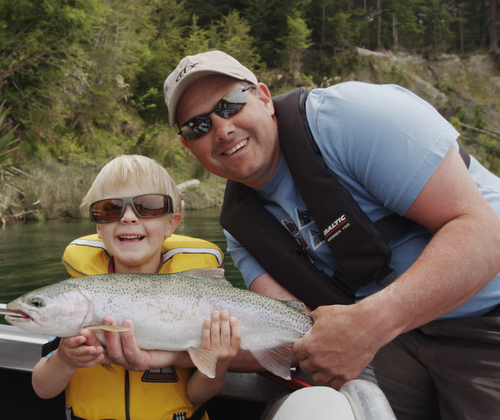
(213,275)
(295,304)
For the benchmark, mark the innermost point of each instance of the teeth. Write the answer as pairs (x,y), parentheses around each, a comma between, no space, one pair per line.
(235,148)
(129,237)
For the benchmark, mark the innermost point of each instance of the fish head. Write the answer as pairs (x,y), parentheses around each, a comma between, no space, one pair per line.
(61,310)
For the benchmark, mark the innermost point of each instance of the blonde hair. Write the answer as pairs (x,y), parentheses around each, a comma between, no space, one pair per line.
(136,170)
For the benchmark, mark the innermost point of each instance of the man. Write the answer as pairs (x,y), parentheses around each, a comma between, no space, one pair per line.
(394,154)
(426,316)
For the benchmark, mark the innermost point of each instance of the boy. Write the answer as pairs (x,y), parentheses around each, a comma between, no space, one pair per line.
(136,208)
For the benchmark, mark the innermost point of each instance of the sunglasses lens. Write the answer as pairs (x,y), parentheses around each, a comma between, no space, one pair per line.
(106,211)
(228,106)
(231,104)
(151,205)
(148,205)
(196,127)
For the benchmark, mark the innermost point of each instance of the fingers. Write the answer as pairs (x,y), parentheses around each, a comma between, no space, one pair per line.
(216,328)
(76,353)
(113,343)
(236,333)
(221,331)
(206,342)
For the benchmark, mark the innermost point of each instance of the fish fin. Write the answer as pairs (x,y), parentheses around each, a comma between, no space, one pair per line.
(296,304)
(276,360)
(109,368)
(205,360)
(213,275)
(106,328)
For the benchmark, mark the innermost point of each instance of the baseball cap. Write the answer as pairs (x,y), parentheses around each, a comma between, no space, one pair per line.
(194,67)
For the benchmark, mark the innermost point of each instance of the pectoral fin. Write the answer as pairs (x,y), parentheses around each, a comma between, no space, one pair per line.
(276,360)
(205,360)
(106,328)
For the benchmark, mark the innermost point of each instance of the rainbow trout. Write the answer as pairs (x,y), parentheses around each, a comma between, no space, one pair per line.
(168,311)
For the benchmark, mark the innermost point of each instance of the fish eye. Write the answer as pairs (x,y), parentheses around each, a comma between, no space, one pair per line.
(37,302)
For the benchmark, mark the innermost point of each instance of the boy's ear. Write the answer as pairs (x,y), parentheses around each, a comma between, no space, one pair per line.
(98,229)
(174,221)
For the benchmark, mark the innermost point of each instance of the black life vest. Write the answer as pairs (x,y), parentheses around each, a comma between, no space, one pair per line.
(360,247)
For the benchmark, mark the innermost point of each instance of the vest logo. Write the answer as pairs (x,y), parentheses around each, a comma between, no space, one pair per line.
(166,374)
(336,228)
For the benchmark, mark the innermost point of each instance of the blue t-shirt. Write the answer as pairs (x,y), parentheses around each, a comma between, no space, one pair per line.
(383,143)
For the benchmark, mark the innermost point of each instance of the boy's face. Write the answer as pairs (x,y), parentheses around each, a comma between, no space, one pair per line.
(135,242)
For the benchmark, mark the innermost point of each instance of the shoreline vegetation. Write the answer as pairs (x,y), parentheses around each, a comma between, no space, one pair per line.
(465,89)
(82,82)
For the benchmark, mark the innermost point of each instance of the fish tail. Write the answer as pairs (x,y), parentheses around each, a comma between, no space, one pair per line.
(276,360)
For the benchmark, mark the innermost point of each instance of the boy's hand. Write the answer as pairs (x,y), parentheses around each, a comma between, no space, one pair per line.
(222,333)
(122,350)
(81,351)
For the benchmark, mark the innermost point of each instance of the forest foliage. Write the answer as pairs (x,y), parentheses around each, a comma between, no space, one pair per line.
(83,79)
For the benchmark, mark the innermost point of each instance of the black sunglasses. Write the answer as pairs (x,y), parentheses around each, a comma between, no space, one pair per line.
(228,106)
(146,206)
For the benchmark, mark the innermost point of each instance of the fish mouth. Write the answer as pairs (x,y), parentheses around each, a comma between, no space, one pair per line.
(17,315)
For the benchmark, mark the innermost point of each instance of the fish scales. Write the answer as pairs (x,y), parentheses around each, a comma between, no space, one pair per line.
(168,311)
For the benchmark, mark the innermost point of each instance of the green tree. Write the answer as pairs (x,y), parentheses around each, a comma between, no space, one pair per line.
(197,41)
(115,56)
(269,22)
(8,144)
(296,41)
(231,34)
(41,58)
(167,46)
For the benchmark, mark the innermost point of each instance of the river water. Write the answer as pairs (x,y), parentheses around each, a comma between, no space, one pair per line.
(30,253)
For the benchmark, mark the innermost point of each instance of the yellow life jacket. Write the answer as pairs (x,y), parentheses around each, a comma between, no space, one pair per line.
(88,255)
(98,393)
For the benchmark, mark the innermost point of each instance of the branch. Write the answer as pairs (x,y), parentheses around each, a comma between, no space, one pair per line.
(470,127)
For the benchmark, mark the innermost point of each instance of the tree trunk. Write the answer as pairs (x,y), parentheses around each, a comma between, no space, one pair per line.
(493,25)
(395,29)
(379,26)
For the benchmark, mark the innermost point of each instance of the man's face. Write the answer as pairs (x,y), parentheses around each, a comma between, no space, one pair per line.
(242,148)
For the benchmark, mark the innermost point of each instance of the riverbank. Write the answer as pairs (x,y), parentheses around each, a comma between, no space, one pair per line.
(463,88)
(54,191)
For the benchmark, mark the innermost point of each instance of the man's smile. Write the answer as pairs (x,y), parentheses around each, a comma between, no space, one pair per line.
(236,148)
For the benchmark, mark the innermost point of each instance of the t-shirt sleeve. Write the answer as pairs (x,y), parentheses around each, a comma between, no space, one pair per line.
(382,139)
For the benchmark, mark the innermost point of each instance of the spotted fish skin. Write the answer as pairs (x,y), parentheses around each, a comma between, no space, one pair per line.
(168,311)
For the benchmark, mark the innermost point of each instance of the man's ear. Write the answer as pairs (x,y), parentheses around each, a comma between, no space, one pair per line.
(264,95)
(185,144)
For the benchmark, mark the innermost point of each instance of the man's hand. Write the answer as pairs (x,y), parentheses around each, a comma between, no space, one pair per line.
(340,344)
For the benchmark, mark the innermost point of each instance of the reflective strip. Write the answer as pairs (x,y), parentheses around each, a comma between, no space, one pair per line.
(215,252)
(89,242)
(165,256)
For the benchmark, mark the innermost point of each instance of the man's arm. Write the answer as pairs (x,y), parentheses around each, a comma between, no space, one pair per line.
(461,258)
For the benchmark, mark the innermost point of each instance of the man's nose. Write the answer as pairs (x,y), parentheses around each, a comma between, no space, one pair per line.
(223,127)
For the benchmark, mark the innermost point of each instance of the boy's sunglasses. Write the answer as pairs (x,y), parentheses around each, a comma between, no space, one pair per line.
(228,106)
(146,206)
